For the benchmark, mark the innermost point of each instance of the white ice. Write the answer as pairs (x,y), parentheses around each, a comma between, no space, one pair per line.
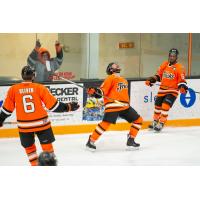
(174,146)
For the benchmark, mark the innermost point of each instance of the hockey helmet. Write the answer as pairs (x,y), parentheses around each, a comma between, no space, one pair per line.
(28,73)
(47,159)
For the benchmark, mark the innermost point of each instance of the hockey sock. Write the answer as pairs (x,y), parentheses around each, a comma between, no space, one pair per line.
(99,130)
(47,147)
(135,127)
(32,155)
(164,112)
(157,113)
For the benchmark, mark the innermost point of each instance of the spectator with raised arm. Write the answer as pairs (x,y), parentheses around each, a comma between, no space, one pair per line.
(44,65)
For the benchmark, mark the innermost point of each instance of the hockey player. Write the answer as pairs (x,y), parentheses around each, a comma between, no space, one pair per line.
(32,119)
(115,87)
(171,76)
(47,159)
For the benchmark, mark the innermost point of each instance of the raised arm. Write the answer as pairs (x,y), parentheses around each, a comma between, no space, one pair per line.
(33,56)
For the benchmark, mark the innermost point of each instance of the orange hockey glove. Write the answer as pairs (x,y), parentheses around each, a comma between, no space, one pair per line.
(183,88)
(150,81)
(95,92)
(91,91)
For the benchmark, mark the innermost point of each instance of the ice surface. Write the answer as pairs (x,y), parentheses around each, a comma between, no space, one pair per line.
(173,146)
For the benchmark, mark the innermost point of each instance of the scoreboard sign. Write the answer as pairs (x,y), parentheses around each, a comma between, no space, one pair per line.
(126,45)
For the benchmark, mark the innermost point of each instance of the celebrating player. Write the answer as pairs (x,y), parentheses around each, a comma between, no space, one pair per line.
(116,102)
(28,99)
(171,76)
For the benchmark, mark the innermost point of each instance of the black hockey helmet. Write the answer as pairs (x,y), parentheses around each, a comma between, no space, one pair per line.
(47,159)
(173,51)
(28,73)
(110,70)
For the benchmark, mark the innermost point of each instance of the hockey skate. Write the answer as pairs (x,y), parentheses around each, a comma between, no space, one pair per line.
(153,125)
(159,127)
(131,144)
(90,145)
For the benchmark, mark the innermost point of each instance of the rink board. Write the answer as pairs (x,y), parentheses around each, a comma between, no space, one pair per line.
(88,128)
(185,107)
(184,113)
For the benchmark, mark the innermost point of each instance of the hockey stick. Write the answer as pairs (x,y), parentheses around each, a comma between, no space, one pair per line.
(10,123)
(111,99)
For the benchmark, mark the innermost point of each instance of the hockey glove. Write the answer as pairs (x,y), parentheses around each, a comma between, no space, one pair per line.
(183,88)
(95,92)
(91,91)
(72,106)
(150,81)
(3,116)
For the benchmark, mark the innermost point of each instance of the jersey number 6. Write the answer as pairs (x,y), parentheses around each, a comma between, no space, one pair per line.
(28,106)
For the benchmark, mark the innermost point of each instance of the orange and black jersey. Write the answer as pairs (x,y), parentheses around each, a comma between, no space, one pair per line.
(115,87)
(30,100)
(171,76)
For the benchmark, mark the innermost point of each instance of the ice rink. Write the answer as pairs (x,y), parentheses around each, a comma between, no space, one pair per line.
(174,146)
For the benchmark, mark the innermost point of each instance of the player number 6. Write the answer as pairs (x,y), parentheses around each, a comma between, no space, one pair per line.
(28,106)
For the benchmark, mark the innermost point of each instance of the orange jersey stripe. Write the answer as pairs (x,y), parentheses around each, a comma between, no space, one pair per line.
(40,128)
(165,92)
(115,87)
